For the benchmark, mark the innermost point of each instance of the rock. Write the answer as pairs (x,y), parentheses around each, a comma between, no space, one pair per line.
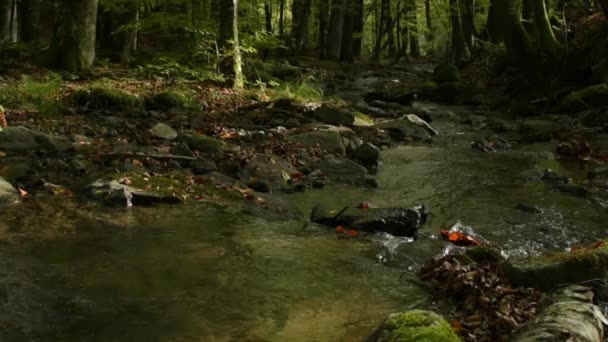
(334,116)
(550,176)
(362,106)
(491,144)
(18,139)
(8,194)
(528,208)
(446,73)
(537,130)
(203,167)
(167,100)
(344,171)
(274,208)
(404,99)
(410,127)
(590,97)
(329,141)
(163,131)
(415,326)
(395,221)
(206,144)
(570,316)
(98,98)
(221,179)
(573,189)
(114,193)
(367,153)
(266,173)
(598,172)
(551,271)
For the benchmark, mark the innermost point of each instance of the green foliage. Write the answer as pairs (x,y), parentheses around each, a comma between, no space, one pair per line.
(446,73)
(29,94)
(300,92)
(172,99)
(419,326)
(171,70)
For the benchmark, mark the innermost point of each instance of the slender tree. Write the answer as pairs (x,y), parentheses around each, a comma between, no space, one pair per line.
(348,26)
(5,21)
(457,43)
(412,19)
(358,28)
(301,14)
(429,19)
(544,31)
(30,25)
(282,18)
(239,79)
(268,15)
(73,47)
(334,33)
(323,25)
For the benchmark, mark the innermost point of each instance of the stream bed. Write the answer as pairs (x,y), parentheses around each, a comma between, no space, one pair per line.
(199,273)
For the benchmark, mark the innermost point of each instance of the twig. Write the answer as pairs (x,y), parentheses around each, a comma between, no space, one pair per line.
(151,156)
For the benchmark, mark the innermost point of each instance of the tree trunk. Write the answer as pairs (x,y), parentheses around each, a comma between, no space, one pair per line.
(457,43)
(239,79)
(268,15)
(301,15)
(323,24)
(5,21)
(358,28)
(498,21)
(73,47)
(604,6)
(544,31)
(336,25)
(282,18)
(14,23)
(528,16)
(129,34)
(347,46)
(413,32)
(197,13)
(226,22)
(385,28)
(29,21)
(429,20)
(467,8)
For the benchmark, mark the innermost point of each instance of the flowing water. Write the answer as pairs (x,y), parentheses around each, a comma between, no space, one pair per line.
(199,273)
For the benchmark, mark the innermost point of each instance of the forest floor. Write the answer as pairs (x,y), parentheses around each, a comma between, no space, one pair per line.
(118,138)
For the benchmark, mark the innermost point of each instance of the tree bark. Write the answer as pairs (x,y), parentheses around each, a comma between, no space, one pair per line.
(197,13)
(73,47)
(468,22)
(282,18)
(385,28)
(29,21)
(457,43)
(268,15)
(301,15)
(347,46)
(239,79)
(358,28)
(5,21)
(129,34)
(528,16)
(226,22)
(498,21)
(429,20)
(604,6)
(413,32)
(323,24)
(336,25)
(544,31)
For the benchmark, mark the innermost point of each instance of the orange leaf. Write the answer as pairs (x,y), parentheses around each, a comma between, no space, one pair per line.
(456,325)
(22,192)
(339,229)
(352,232)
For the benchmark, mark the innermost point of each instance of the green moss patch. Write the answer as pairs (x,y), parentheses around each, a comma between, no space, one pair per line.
(418,326)
(99,98)
(590,97)
(446,73)
(167,100)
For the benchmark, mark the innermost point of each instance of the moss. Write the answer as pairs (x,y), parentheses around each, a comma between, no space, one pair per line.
(550,271)
(206,144)
(188,188)
(167,100)
(419,326)
(590,97)
(362,120)
(99,98)
(446,73)
(484,255)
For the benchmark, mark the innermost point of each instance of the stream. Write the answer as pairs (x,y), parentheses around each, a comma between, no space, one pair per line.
(199,273)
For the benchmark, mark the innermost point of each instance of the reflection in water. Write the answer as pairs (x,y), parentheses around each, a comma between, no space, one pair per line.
(73,272)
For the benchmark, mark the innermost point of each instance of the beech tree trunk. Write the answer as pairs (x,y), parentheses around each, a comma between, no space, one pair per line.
(5,21)
(282,18)
(544,32)
(413,32)
(334,34)
(239,79)
(385,28)
(347,46)
(268,14)
(498,21)
(467,8)
(129,34)
(301,15)
(226,22)
(73,47)
(358,28)
(29,21)
(457,43)
(429,20)
(323,24)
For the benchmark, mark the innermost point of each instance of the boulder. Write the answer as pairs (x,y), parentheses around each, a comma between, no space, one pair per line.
(8,193)
(203,167)
(265,173)
(114,193)
(403,99)
(98,98)
(446,73)
(409,127)
(572,189)
(367,153)
(345,171)
(395,221)
(163,131)
(19,139)
(167,100)
(415,326)
(570,316)
(333,116)
(206,144)
(551,271)
(591,97)
(330,141)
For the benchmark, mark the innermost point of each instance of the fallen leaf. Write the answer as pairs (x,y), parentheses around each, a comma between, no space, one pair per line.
(22,192)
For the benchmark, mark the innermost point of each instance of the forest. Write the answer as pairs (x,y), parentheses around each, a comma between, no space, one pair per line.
(304,170)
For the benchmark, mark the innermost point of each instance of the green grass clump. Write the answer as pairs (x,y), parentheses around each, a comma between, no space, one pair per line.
(32,94)
(301,92)
(105,98)
(418,326)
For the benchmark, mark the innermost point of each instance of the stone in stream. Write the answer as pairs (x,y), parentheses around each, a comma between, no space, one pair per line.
(341,117)
(8,193)
(163,131)
(346,171)
(395,221)
(537,130)
(528,208)
(572,189)
(367,153)
(409,127)
(550,176)
(329,141)
(414,326)
(19,139)
(266,173)
(548,272)
(491,144)
(114,193)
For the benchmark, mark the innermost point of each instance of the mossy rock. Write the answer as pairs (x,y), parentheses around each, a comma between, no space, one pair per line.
(98,98)
(549,272)
(206,144)
(167,100)
(417,326)
(590,97)
(446,73)
(362,120)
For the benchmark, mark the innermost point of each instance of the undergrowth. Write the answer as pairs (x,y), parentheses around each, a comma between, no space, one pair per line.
(41,95)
